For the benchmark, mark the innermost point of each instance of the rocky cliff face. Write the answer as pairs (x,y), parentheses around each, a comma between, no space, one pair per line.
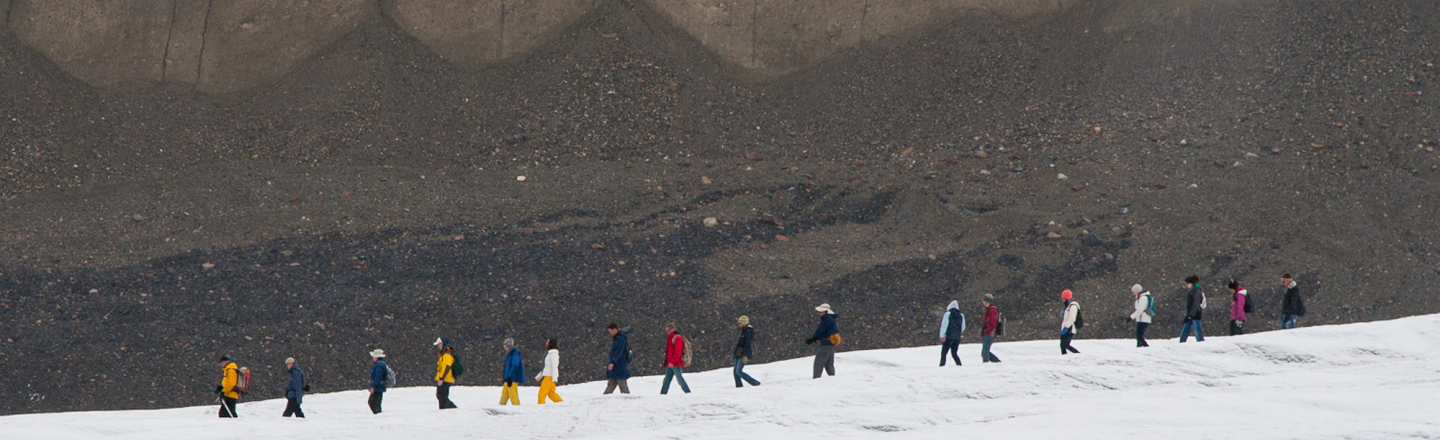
(230,46)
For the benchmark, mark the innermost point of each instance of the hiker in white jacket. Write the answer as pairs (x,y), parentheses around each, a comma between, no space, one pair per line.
(1142,315)
(1068,317)
(551,374)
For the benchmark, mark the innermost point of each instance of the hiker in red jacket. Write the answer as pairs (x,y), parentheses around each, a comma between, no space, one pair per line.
(988,332)
(1239,299)
(674,359)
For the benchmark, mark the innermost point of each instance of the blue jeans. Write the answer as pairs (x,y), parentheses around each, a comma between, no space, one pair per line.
(1287,321)
(740,374)
(675,373)
(1185,330)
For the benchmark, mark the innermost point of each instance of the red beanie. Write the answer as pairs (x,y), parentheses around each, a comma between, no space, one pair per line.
(1067,295)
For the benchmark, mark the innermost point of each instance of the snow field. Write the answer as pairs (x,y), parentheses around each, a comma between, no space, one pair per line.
(1360,381)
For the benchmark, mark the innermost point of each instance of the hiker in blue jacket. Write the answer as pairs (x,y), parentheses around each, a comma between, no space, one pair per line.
(379,373)
(514,374)
(825,355)
(295,390)
(951,326)
(617,372)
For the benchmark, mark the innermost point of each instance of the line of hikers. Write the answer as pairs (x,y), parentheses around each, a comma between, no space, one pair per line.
(678,350)
(678,353)
(1291,309)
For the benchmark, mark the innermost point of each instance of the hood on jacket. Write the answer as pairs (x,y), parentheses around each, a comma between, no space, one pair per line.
(954,305)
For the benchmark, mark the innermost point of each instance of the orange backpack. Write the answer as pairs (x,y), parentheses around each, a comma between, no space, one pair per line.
(242,380)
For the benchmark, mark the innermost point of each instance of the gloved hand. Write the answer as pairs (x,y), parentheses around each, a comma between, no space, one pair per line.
(809,341)
(1240,323)
(217,389)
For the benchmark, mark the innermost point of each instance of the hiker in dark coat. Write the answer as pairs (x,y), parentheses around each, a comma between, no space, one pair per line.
(379,375)
(951,326)
(617,372)
(827,334)
(1194,307)
(1293,306)
(295,390)
(743,351)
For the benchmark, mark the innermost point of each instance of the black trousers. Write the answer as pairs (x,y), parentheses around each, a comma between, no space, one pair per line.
(1065,344)
(227,407)
(1140,328)
(442,393)
(951,346)
(375,398)
(1237,327)
(292,407)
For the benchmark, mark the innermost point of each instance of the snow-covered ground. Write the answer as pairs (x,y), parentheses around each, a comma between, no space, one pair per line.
(1359,381)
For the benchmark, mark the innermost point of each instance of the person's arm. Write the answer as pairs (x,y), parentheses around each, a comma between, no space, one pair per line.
(944,324)
(1069,319)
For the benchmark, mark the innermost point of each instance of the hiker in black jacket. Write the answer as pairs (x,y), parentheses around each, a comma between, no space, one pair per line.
(743,350)
(1194,307)
(1293,306)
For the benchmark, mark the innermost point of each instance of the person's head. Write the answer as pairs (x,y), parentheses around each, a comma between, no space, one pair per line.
(289,362)
(441,342)
(377,354)
(1136,289)
(1286,279)
(988,300)
(614,329)
(1192,281)
(1233,285)
(824,309)
(224,360)
(744,321)
(669,327)
(1067,295)
(509,344)
(552,344)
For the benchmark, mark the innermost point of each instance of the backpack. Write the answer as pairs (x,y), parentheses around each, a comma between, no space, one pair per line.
(835,339)
(1247,307)
(456,368)
(242,380)
(1150,309)
(1079,319)
(999,324)
(391,378)
(688,354)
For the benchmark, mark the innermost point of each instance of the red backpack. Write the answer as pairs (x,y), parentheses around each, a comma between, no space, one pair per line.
(242,380)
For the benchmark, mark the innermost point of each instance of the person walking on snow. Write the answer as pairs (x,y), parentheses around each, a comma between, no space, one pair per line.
(675,348)
(550,376)
(989,330)
(827,334)
(1292,306)
(228,395)
(514,374)
(1068,316)
(295,390)
(1144,307)
(1239,300)
(1194,308)
(379,375)
(951,326)
(444,372)
(617,372)
(743,351)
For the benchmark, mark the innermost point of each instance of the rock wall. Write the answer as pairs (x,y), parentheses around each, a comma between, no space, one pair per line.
(228,46)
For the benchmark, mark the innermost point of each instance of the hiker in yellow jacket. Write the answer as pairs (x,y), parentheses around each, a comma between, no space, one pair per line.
(444,375)
(226,389)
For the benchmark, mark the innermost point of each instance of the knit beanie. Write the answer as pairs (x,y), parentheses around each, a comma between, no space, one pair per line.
(1067,295)
(1136,289)
(744,320)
